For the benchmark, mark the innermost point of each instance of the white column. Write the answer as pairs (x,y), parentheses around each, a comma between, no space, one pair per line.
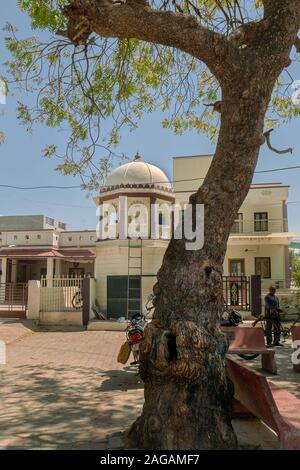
(3,279)
(58,267)
(34,293)
(14,267)
(50,269)
(123,218)
(3,270)
(154,229)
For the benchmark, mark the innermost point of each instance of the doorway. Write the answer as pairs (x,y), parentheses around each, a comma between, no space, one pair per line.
(76,272)
(236,267)
(123,296)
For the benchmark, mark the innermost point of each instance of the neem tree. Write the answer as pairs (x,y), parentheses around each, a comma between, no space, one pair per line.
(110,62)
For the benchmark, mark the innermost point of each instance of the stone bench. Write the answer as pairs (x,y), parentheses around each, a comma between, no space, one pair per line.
(249,340)
(276,407)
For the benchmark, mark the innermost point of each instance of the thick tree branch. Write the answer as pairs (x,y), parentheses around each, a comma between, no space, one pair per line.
(135,19)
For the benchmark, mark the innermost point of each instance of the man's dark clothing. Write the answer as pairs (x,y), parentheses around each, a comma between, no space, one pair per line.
(272,308)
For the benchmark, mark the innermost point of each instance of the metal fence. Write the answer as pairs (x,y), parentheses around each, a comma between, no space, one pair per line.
(13,299)
(61,294)
(236,292)
(259,227)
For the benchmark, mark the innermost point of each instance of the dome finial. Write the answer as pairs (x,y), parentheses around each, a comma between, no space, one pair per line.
(137,156)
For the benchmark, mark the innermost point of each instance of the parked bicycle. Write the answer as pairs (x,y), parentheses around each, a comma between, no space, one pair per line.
(77,300)
(282,328)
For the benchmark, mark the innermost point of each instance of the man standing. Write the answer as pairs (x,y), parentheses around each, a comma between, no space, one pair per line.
(272,313)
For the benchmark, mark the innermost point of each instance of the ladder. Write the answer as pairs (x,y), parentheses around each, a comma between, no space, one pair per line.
(135,269)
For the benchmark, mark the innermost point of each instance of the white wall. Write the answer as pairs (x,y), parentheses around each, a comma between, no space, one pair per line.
(275,252)
(29,238)
(261,198)
(112,260)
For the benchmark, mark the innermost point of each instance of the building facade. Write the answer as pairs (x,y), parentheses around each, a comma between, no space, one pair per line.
(125,263)
(32,247)
(259,240)
(126,266)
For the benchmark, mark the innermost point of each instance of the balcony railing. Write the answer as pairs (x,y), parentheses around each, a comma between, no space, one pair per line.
(259,227)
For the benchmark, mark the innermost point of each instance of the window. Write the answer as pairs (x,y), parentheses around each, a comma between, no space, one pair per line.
(15,237)
(263,267)
(261,222)
(238,224)
(39,237)
(26,237)
(92,238)
(70,239)
(61,226)
(161,219)
(236,267)
(182,215)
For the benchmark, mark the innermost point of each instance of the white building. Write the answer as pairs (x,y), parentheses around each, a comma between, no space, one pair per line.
(125,269)
(259,240)
(32,247)
(257,245)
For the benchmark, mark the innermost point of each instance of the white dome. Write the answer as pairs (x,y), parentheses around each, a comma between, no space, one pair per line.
(138,172)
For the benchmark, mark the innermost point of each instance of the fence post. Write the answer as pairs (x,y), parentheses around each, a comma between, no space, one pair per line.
(255,295)
(86,300)
(34,294)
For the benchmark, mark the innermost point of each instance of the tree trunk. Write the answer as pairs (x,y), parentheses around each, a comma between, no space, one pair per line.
(187,396)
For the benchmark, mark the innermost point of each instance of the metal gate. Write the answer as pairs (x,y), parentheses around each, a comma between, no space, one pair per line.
(61,294)
(243,293)
(13,300)
(236,292)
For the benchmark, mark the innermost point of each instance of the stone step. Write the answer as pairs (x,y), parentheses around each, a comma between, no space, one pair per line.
(106,325)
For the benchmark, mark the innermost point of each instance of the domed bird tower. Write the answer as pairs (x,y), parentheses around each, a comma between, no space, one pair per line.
(135,212)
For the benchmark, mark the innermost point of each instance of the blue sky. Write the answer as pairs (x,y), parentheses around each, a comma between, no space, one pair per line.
(21,162)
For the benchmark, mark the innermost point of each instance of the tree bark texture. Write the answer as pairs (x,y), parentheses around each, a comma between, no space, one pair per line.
(187,396)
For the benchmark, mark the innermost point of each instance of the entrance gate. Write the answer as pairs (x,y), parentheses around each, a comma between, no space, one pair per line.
(243,293)
(13,300)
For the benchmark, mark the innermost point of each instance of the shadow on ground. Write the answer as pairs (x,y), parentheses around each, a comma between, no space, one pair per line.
(287,377)
(65,407)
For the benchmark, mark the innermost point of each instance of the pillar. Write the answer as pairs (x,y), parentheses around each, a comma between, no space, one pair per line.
(34,292)
(50,270)
(3,279)
(3,270)
(14,267)
(58,267)
(154,225)
(123,218)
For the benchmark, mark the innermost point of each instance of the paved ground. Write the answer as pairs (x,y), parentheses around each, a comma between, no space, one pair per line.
(65,390)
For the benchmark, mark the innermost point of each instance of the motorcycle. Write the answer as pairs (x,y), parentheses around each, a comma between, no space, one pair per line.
(232,318)
(134,335)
